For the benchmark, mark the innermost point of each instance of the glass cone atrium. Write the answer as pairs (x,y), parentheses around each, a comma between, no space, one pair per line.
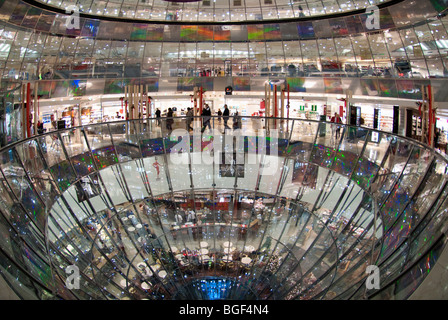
(275,207)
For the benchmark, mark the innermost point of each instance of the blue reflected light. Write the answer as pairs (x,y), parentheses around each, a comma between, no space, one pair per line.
(215,289)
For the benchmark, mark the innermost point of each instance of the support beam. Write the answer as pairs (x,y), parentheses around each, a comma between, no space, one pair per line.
(23,111)
(287,104)
(282,102)
(35,106)
(201,100)
(430,118)
(275,102)
(125,102)
(28,110)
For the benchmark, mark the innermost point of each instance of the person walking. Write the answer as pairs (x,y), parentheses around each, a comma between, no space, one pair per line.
(189,118)
(236,121)
(169,120)
(337,119)
(219,115)
(158,116)
(206,114)
(225,117)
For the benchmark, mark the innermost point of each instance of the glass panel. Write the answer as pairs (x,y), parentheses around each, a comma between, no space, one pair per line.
(99,141)
(125,139)
(38,172)
(440,35)
(17,179)
(393,164)
(293,58)
(363,55)
(407,184)
(18,278)
(134,59)
(10,240)
(258,57)
(328,57)
(170,54)
(310,56)
(113,9)
(429,230)
(134,174)
(346,57)
(157,175)
(349,150)
(383,65)
(416,210)
(276,58)
(79,152)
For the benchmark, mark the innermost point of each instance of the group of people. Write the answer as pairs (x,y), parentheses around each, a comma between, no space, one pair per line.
(206,118)
(182,218)
(169,118)
(206,113)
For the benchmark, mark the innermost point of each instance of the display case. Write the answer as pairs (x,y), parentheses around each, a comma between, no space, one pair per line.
(416,127)
(91,115)
(385,122)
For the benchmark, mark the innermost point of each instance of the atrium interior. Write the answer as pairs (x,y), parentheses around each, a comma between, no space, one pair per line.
(101,199)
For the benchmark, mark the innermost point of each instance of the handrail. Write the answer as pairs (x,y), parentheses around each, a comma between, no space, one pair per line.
(414,141)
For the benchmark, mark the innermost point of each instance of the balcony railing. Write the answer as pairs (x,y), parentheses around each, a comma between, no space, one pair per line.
(306,207)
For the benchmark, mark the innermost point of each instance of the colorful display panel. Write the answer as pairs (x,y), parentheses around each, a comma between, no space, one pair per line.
(154,33)
(241,84)
(90,28)
(306,30)
(139,32)
(296,84)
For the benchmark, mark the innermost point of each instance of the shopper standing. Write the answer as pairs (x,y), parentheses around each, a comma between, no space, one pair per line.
(206,114)
(191,217)
(179,219)
(337,119)
(225,117)
(189,118)
(158,116)
(169,120)
(236,121)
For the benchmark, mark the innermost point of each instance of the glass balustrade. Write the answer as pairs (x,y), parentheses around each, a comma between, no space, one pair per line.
(270,209)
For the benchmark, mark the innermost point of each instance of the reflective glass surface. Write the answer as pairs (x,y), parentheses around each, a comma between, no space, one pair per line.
(286,210)
(212,11)
(406,51)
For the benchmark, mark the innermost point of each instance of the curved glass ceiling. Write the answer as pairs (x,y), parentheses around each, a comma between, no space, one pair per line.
(212,10)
